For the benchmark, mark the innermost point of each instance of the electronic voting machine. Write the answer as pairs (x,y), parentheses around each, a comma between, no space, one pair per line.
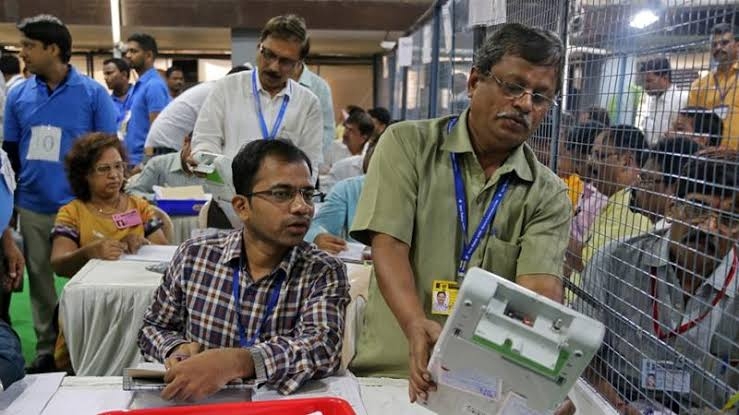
(507,350)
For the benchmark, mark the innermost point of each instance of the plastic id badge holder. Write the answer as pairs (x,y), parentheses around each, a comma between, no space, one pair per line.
(505,344)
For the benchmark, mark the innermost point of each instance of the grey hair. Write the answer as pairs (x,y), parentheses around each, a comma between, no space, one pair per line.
(537,46)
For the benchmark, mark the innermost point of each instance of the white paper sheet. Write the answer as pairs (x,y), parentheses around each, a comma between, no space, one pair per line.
(405,51)
(87,401)
(427,40)
(152,253)
(353,252)
(30,395)
(486,12)
(345,387)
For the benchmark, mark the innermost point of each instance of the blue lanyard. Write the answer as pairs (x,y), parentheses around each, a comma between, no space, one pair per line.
(274,296)
(461,199)
(257,102)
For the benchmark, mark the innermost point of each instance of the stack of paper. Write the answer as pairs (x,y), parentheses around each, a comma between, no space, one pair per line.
(180,193)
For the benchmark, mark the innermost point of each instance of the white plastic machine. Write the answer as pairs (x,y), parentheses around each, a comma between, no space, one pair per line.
(507,350)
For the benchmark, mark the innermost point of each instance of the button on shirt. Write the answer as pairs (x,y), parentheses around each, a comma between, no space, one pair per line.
(228,119)
(150,94)
(619,277)
(178,119)
(409,194)
(77,106)
(322,91)
(301,340)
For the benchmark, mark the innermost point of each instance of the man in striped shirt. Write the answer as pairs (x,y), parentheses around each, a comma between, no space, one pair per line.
(258,303)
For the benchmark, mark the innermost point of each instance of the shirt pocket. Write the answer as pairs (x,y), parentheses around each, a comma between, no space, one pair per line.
(501,258)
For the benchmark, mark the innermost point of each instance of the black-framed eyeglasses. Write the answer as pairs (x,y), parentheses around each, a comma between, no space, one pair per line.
(283,195)
(516,91)
(286,64)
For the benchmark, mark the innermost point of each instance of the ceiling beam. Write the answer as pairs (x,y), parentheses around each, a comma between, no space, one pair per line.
(396,15)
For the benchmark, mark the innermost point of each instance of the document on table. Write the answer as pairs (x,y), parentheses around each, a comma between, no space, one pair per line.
(152,253)
(30,395)
(344,386)
(353,252)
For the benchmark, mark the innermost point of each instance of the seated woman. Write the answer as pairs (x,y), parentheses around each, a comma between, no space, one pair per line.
(102,222)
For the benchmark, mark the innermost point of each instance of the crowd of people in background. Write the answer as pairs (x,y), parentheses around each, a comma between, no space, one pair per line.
(652,201)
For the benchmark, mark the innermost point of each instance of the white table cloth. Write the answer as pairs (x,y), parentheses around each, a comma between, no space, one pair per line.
(101,311)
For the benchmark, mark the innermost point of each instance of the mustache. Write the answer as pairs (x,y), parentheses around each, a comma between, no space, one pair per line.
(516,116)
(272,74)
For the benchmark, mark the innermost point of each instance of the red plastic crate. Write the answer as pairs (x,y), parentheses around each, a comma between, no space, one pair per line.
(326,406)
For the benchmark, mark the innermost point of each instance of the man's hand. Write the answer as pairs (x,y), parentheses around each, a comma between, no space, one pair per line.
(329,243)
(181,353)
(205,373)
(132,243)
(108,249)
(422,335)
(16,262)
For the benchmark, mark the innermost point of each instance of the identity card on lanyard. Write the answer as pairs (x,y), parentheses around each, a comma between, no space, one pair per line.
(723,109)
(469,246)
(266,134)
(274,296)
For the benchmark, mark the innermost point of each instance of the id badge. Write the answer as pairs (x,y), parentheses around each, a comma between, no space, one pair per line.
(443,296)
(7,172)
(663,375)
(123,128)
(46,143)
(722,111)
(127,219)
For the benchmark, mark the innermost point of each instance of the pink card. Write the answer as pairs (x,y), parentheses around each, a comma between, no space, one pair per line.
(127,219)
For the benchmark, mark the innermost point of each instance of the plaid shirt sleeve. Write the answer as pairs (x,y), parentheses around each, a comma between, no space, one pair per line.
(163,321)
(314,350)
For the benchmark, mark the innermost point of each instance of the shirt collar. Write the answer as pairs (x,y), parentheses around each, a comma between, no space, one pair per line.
(459,142)
(287,90)
(148,74)
(175,165)
(232,254)
(72,78)
(659,256)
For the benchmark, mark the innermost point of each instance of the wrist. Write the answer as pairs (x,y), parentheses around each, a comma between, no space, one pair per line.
(243,363)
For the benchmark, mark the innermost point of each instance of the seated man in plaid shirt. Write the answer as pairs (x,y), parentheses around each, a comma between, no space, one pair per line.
(257,303)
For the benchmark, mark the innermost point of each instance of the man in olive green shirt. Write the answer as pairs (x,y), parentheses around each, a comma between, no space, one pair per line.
(407,210)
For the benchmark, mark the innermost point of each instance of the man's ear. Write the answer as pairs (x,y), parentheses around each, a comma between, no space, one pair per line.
(473,81)
(241,206)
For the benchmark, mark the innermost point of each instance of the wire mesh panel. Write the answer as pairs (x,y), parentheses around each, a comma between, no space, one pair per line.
(651,167)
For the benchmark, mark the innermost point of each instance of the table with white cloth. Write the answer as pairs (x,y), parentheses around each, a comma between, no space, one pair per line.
(101,311)
(103,306)
(50,394)
(182,227)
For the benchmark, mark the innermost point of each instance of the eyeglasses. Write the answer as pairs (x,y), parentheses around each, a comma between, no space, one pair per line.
(283,195)
(601,157)
(694,211)
(105,169)
(516,91)
(286,64)
(649,181)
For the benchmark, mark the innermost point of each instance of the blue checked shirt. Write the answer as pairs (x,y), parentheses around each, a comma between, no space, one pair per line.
(301,340)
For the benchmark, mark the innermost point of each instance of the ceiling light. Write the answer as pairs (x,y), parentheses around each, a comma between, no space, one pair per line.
(387,44)
(643,19)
